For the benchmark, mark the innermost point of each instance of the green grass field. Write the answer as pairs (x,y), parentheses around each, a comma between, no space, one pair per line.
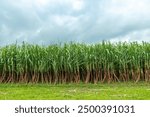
(113,91)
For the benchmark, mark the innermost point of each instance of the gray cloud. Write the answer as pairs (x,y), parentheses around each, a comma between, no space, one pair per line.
(54,21)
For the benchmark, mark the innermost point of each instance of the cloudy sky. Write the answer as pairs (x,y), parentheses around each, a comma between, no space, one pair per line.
(88,21)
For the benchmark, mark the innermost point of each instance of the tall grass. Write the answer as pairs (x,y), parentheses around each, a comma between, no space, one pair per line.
(104,62)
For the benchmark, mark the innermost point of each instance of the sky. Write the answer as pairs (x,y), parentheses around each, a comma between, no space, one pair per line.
(81,21)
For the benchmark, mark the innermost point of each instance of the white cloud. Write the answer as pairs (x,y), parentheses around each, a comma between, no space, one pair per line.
(78,4)
(50,21)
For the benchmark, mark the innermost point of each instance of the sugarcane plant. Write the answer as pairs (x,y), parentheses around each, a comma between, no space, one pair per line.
(74,63)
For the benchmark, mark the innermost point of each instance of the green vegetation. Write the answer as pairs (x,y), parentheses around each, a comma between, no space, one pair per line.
(113,91)
(74,63)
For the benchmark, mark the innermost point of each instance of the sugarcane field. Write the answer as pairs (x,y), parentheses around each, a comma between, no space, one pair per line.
(77,64)
(74,63)
(75,50)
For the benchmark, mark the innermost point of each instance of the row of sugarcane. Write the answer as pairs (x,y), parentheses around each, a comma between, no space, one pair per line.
(74,63)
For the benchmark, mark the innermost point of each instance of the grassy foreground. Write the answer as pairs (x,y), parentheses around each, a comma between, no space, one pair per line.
(114,91)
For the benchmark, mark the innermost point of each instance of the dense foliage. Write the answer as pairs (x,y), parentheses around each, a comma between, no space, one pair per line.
(104,62)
